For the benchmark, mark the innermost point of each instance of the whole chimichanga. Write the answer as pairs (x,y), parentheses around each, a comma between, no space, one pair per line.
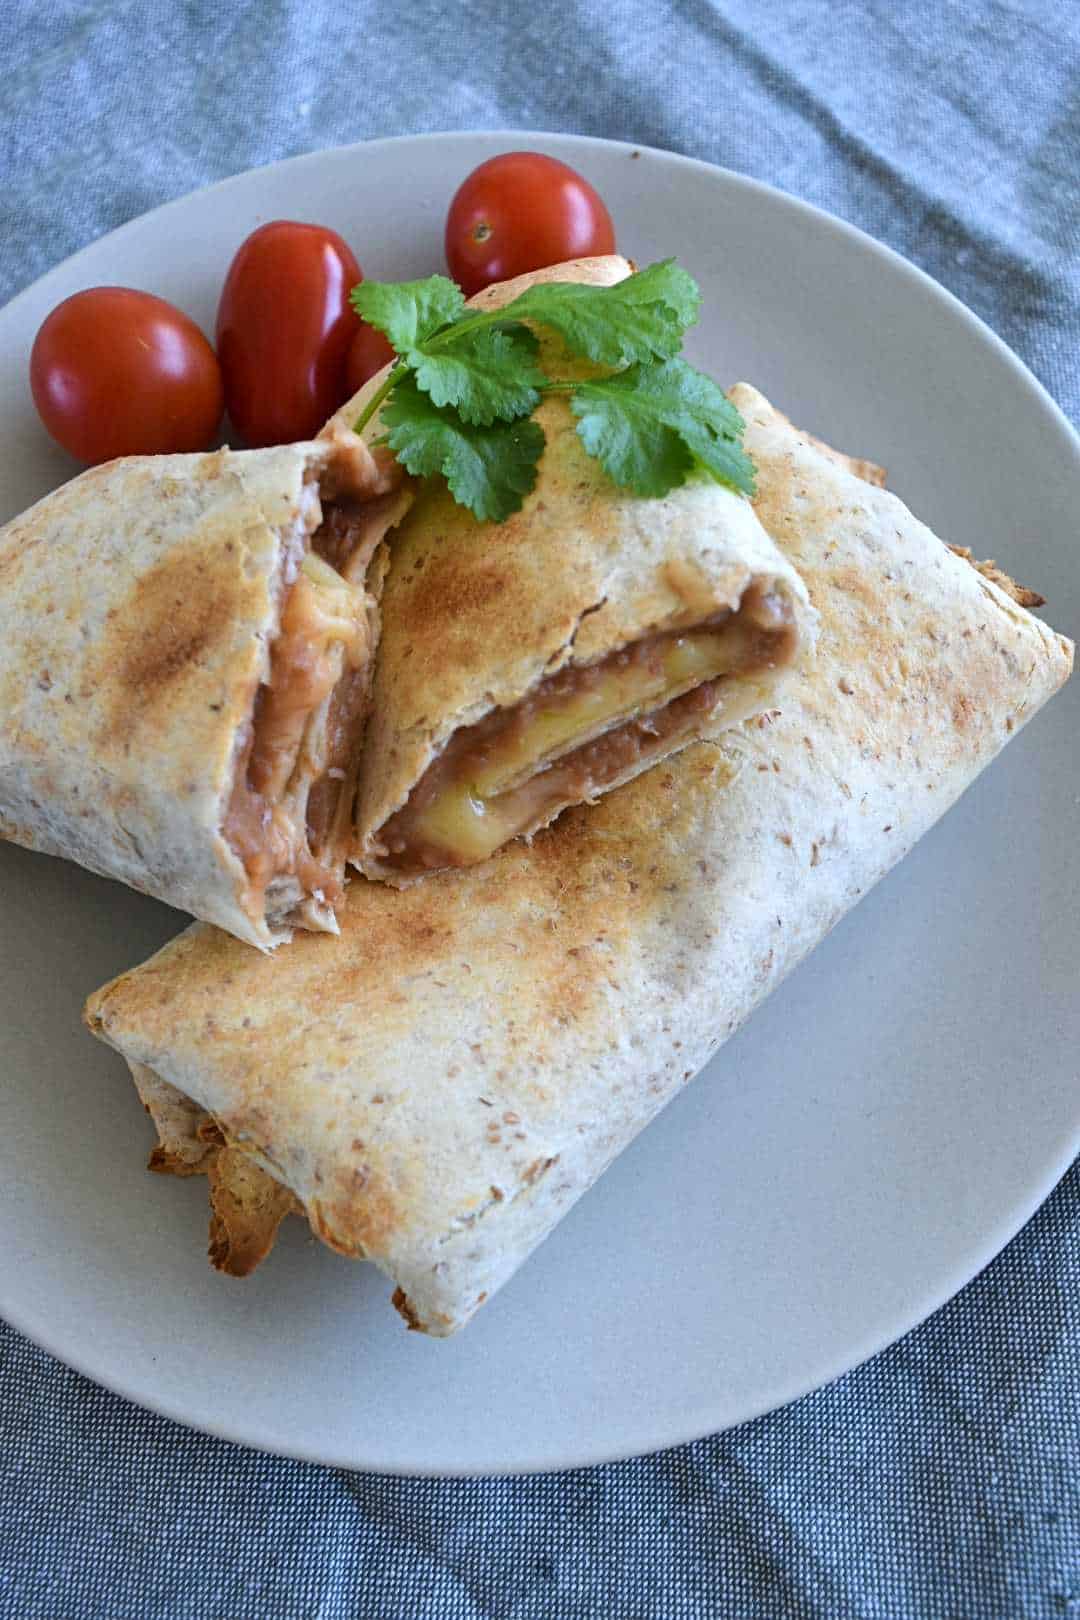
(437,1087)
(184,675)
(536,663)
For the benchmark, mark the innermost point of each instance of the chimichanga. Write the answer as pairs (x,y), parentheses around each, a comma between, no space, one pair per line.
(439,1085)
(185,670)
(532,664)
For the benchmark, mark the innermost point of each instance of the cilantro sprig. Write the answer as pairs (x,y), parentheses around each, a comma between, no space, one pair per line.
(458,399)
(488,469)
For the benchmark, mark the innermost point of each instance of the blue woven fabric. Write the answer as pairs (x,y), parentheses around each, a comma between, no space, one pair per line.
(943,1478)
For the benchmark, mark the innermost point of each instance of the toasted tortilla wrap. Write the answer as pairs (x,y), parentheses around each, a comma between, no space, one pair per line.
(440,1084)
(184,675)
(529,665)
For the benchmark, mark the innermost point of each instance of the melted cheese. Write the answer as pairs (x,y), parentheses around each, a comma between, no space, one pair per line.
(614,693)
(325,608)
(486,804)
(323,627)
(470,828)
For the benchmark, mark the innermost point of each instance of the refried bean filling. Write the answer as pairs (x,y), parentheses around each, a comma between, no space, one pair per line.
(293,790)
(578,731)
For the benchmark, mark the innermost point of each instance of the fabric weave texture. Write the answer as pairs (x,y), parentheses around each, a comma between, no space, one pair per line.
(940,1480)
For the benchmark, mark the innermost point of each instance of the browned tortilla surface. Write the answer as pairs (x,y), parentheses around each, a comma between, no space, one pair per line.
(438,1086)
(138,604)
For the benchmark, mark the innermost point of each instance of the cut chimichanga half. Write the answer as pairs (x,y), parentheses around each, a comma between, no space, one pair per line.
(185,671)
(532,664)
(439,1085)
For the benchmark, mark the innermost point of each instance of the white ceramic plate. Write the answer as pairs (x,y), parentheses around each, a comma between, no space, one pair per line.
(856,1154)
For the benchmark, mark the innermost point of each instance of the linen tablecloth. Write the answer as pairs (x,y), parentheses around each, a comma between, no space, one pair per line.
(941,1479)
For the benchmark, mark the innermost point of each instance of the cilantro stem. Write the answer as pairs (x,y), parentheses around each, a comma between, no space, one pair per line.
(467,323)
(389,382)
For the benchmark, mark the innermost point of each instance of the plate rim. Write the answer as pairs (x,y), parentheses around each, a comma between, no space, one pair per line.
(1000,1235)
(867,1351)
(749,183)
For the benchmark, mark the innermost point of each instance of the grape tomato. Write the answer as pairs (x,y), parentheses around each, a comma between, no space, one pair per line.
(118,372)
(284,330)
(369,353)
(521,211)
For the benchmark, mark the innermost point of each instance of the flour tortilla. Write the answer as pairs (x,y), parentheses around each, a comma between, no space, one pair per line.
(139,603)
(475,614)
(439,1085)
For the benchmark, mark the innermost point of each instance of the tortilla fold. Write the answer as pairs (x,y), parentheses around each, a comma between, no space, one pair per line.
(439,1085)
(170,629)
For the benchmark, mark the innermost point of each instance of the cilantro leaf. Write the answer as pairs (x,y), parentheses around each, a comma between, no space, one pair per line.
(457,400)
(408,312)
(487,375)
(664,283)
(489,469)
(649,426)
(636,450)
(640,319)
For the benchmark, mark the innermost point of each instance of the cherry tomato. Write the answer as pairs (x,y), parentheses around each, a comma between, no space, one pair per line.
(370,351)
(284,328)
(115,372)
(521,211)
